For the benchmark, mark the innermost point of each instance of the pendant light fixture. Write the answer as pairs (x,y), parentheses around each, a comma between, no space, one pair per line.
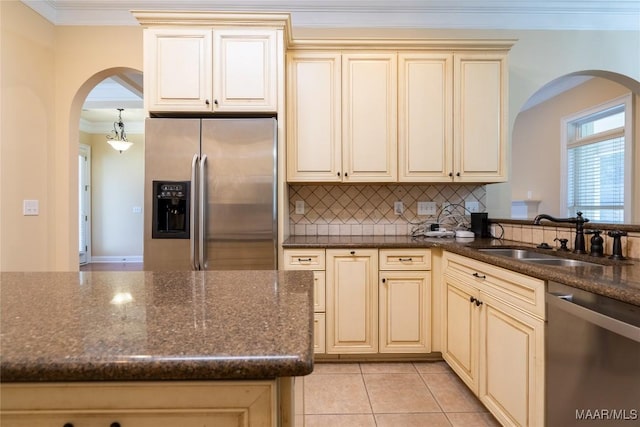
(118,137)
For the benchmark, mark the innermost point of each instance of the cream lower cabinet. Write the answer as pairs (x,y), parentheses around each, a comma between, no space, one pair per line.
(352,301)
(494,337)
(314,260)
(144,404)
(405,301)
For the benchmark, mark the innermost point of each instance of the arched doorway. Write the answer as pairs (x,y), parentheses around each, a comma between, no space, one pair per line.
(536,139)
(110,196)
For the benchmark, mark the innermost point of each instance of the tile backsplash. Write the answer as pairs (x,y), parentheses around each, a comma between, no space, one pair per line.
(368,209)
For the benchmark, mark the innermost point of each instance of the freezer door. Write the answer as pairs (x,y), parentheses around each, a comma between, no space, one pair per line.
(170,145)
(240,222)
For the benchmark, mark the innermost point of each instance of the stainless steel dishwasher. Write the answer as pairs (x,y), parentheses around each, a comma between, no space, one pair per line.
(592,359)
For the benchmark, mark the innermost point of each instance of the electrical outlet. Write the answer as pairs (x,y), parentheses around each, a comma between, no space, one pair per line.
(427,208)
(398,208)
(30,207)
(300,207)
(472,207)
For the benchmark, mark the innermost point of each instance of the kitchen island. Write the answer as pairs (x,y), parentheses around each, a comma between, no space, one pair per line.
(223,345)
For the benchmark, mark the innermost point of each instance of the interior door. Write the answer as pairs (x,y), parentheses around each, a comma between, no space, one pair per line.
(84,204)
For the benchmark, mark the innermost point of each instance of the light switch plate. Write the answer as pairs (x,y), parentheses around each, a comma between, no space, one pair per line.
(398,208)
(300,207)
(30,207)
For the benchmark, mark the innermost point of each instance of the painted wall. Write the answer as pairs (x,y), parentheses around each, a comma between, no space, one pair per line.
(117,186)
(536,142)
(47,71)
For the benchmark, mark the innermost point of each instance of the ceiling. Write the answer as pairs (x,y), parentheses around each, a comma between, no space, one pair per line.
(125,91)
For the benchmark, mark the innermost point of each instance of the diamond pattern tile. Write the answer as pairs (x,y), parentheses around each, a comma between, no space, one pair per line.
(368,209)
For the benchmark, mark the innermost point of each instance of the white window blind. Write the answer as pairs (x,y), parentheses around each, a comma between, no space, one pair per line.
(596,164)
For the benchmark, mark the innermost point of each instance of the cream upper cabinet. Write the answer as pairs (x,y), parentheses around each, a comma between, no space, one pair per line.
(425,117)
(178,69)
(342,117)
(245,70)
(210,70)
(494,337)
(452,117)
(480,117)
(352,301)
(314,148)
(369,117)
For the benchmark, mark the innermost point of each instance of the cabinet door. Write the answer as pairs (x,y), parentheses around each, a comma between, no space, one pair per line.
(480,117)
(369,117)
(425,128)
(511,364)
(178,67)
(245,70)
(352,301)
(314,146)
(319,333)
(405,301)
(460,340)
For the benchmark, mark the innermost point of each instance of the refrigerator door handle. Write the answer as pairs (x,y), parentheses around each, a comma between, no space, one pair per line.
(193,240)
(202,231)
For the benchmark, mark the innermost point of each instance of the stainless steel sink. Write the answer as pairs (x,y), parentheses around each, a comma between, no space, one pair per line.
(533,257)
(521,254)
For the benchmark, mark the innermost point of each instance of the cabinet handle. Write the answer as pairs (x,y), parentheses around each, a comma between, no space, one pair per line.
(115,424)
(479,276)
(384,280)
(352,252)
(405,259)
(68,425)
(476,301)
(304,259)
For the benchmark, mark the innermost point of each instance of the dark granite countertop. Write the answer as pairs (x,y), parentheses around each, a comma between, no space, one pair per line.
(122,326)
(615,279)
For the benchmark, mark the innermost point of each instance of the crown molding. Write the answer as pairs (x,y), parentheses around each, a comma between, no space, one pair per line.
(430,14)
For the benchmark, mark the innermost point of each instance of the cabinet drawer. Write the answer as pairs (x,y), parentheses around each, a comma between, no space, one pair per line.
(304,259)
(525,292)
(405,259)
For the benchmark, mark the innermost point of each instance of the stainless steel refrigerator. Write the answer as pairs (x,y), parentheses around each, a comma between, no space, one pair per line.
(210,194)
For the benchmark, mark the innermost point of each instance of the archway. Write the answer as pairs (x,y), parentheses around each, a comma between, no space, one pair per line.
(535,148)
(116,188)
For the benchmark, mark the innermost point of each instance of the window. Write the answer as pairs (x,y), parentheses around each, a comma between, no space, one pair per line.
(597,158)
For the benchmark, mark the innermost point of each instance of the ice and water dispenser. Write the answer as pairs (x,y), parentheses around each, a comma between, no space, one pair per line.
(171,200)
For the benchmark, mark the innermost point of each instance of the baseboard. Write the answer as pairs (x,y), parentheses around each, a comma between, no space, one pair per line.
(112,259)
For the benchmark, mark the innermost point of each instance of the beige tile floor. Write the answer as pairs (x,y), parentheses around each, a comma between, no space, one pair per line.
(390,395)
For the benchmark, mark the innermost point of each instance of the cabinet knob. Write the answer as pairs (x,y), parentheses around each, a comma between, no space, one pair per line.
(451,174)
(478,302)
(206,101)
(215,101)
(352,252)
(338,173)
(68,425)
(457,173)
(384,280)
(115,424)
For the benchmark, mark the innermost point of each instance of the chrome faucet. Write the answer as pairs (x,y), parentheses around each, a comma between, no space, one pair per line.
(578,220)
